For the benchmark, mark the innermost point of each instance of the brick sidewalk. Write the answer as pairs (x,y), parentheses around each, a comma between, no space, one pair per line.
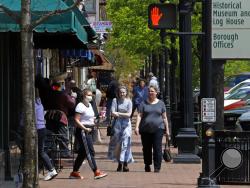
(171,175)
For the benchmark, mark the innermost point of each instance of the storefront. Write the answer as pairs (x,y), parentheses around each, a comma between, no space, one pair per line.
(67,30)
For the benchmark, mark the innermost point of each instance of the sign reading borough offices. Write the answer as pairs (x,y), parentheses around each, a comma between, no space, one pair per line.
(230,29)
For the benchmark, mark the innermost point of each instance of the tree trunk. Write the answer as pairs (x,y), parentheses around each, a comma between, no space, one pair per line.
(30,171)
(218,92)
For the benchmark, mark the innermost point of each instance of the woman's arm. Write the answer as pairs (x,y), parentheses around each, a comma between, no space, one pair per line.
(126,114)
(138,120)
(114,112)
(79,124)
(165,120)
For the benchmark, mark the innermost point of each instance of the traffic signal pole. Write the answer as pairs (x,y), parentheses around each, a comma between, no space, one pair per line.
(162,72)
(206,179)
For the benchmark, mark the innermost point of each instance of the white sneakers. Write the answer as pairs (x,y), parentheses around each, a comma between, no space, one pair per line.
(50,175)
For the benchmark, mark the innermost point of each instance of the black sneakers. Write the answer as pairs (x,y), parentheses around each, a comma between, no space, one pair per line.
(147,168)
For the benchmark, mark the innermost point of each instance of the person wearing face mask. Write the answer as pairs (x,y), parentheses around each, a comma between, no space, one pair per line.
(84,122)
(120,142)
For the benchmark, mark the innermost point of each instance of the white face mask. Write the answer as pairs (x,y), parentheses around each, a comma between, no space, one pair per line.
(89,98)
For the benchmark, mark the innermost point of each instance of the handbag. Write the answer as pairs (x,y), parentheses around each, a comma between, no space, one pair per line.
(110,127)
(166,154)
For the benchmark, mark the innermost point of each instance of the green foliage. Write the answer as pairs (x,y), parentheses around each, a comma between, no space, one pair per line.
(130,30)
(125,64)
(134,41)
(234,67)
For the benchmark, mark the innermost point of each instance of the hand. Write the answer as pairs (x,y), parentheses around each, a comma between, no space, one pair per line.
(116,114)
(168,135)
(88,130)
(136,131)
(155,16)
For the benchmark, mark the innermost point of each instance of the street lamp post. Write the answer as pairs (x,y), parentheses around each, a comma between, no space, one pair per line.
(187,136)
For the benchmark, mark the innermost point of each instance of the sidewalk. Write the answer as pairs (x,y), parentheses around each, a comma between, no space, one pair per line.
(171,175)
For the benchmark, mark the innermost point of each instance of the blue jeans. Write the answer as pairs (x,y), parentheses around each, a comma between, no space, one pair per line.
(41,153)
(152,141)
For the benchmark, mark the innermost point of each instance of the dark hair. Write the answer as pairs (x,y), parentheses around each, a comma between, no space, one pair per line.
(141,79)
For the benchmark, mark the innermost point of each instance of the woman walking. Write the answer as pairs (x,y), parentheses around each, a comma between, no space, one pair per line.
(151,123)
(85,120)
(121,110)
(41,131)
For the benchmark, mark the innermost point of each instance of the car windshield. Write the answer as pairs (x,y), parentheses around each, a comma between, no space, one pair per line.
(240,85)
(229,81)
(239,94)
(233,80)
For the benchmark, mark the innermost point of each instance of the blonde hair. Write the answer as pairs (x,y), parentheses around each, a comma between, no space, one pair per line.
(85,91)
(122,87)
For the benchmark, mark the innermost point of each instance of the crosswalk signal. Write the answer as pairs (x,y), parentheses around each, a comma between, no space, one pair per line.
(162,16)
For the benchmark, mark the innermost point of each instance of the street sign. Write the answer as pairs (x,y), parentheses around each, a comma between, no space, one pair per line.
(162,16)
(208,110)
(102,26)
(230,29)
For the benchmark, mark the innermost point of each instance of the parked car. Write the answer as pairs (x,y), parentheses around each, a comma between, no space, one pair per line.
(244,121)
(232,120)
(237,99)
(244,83)
(233,80)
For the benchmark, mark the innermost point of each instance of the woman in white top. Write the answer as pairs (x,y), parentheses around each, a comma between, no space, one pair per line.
(84,121)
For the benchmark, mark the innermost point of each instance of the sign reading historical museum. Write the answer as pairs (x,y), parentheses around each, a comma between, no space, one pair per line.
(230,29)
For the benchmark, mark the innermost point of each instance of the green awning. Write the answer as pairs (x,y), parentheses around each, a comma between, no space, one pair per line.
(72,24)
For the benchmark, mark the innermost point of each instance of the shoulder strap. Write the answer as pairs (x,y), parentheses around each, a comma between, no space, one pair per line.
(117,104)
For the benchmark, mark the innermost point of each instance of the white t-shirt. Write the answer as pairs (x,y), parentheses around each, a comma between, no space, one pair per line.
(87,114)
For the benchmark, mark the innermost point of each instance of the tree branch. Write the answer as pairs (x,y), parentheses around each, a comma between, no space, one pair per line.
(52,13)
(11,14)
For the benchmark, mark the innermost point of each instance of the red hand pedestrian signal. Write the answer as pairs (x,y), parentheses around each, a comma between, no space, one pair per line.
(155,16)
(162,16)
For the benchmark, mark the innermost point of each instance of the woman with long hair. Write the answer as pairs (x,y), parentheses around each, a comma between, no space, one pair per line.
(121,110)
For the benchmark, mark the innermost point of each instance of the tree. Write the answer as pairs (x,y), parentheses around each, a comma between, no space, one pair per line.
(27,26)
(130,33)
